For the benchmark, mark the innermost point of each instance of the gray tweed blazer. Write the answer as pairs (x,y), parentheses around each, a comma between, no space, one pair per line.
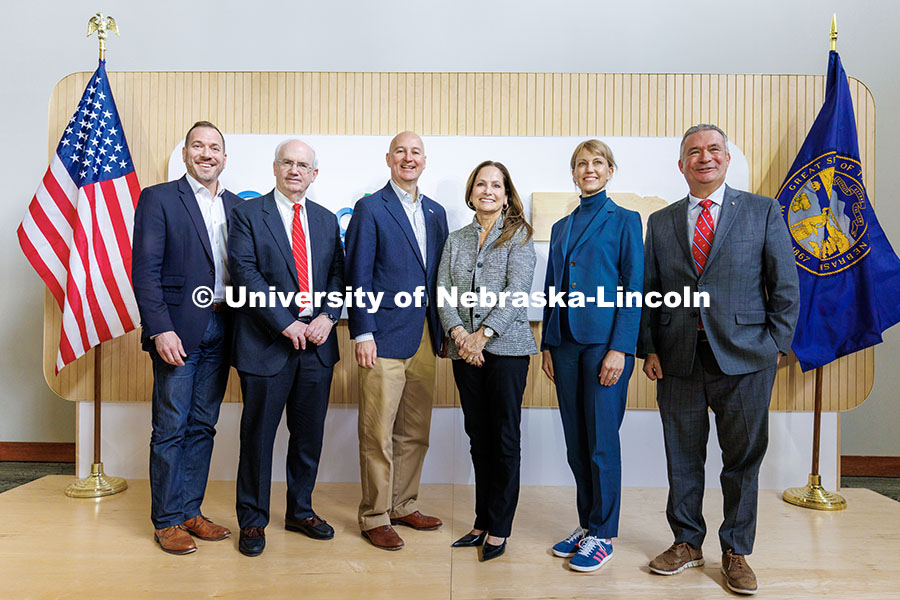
(509,268)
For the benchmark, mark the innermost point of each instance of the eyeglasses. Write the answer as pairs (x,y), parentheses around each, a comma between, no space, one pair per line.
(290,164)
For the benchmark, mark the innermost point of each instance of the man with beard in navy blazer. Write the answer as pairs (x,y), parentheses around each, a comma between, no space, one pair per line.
(285,355)
(394,244)
(180,230)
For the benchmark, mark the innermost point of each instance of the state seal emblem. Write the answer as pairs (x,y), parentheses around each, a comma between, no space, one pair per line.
(826,214)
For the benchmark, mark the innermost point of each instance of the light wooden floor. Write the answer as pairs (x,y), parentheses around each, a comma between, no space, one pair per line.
(55,547)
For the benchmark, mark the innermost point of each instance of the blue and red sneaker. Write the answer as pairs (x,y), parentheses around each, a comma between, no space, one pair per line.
(567,547)
(592,553)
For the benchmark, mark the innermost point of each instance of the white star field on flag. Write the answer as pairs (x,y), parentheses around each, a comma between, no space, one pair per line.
(92,147)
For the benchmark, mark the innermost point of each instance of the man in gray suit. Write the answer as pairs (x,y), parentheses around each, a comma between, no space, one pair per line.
(735,246)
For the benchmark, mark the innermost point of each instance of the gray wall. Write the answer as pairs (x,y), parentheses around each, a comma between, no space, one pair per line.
(44,41)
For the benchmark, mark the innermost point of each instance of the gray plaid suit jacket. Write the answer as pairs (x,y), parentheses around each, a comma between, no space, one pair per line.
(750,277)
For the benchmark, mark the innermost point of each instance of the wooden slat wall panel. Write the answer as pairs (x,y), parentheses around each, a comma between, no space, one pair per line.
(767,116)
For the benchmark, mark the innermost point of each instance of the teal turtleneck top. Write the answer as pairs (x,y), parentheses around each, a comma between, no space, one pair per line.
(584,214)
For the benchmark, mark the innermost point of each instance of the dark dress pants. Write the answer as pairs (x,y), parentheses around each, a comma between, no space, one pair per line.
(300,390)
(491,399)
(741,407)
(185,408)
(591,416)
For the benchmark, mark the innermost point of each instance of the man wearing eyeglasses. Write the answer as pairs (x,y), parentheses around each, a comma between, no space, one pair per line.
(285,355)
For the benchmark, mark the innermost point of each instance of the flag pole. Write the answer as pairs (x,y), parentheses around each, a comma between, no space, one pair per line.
(813,495)
(98,484)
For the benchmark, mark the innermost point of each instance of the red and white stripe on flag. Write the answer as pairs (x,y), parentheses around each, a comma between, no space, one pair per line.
(78,228)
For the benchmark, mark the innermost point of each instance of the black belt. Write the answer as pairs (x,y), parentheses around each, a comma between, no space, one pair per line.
(701,336)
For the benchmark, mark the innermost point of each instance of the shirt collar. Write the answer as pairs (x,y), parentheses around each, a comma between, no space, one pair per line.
(717,197)
(405,196)
(197,187)
(286,202)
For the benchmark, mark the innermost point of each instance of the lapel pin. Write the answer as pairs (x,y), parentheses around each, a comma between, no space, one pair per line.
(431,211)
(732,203)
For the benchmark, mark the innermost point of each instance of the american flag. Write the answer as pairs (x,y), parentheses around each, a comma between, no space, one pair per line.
(77,232)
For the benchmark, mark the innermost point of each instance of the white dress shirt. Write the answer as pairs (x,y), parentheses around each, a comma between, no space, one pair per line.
(416,216)
(213,210)
(694,210)
(286,210)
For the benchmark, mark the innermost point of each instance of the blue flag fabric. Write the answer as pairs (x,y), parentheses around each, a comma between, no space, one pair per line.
(849,274)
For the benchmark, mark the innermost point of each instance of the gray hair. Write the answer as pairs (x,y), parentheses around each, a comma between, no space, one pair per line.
(281,146)
(700,127)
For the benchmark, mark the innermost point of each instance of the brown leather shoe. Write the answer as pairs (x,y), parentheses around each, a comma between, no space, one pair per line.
(383,537)
(739,577)
(419,521)
(174,540)
(205,529)
(676,559)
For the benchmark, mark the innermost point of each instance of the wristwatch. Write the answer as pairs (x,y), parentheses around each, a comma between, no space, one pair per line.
(331,318)
(488,332)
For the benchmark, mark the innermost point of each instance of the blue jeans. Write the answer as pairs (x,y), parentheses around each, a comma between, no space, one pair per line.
(186,403)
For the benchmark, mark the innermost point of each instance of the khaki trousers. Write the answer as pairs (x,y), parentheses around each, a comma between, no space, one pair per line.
(395,398)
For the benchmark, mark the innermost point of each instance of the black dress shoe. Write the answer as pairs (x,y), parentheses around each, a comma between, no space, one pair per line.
(313,527)
(252,541)
(490,551)
(469,540)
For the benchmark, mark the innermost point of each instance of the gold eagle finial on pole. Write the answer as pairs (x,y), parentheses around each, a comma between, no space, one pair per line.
(101,24)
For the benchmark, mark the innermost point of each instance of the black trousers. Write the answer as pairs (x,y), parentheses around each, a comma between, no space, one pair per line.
(491,398)
(300,390)
(741,407)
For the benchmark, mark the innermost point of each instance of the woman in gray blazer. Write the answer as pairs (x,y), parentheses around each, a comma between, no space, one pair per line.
(490,344)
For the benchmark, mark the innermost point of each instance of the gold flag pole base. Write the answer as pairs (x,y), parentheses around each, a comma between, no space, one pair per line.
(98,484)
(814,496)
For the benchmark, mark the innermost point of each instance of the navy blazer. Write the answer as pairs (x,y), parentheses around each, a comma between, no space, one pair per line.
(171,257)
(383,256)
(259,256)
(609,253)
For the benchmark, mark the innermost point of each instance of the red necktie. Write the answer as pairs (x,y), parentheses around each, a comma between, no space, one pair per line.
(704,232)
(298,245)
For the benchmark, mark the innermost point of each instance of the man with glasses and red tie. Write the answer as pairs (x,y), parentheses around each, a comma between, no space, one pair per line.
(285,356)
(735,246)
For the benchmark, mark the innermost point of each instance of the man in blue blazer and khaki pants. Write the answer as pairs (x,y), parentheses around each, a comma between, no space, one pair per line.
(180,231)
(285,355)
(394,244)
(735,246)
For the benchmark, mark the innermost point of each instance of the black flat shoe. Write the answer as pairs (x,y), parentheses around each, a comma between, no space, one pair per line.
(469,540)
(490,551)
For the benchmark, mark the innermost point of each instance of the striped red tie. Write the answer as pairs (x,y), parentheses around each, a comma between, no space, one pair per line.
(298,244)
(704,232)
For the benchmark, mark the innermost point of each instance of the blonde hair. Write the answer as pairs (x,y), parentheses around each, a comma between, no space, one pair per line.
(597,148)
